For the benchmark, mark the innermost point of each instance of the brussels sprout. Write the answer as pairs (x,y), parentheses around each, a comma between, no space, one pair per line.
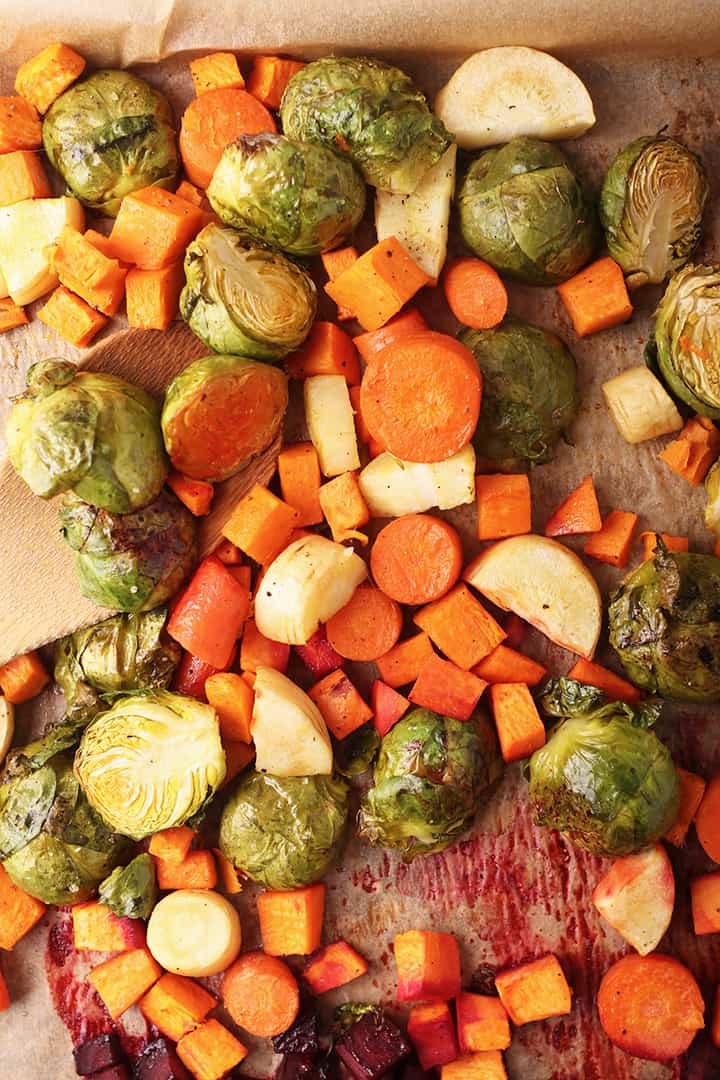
(109,135)
(152,761)
(130,562)
(131,891)
(686,345)
(664,624)
(530,394)
(87,432)
(651,207)
(428,779)
(284,832)
(295,196)
(522,209)
(603,778)
(356,752)
(243,300)
(371,111)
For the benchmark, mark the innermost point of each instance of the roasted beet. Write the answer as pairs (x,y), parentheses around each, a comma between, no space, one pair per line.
(97,1054)
(115,1072)
(159,1061)
(297,1067)
(412,1071)
(302,1036)
(372,1046)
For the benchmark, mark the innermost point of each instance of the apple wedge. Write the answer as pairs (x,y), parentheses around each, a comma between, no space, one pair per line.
(544,583)
(290,735)
(637,897)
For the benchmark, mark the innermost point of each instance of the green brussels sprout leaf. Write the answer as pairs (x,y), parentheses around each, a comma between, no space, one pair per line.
(131,891)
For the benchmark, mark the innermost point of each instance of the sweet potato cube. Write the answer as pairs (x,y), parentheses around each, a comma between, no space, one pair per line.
(20,127)
(428,966)
(503,505)
(596,298)
(482,1023)
(334,966)
(153,228)
(22,678)
(612,543)
(121,981)
(445,688)
(378,284)
(328,350)
(705,900)
(22,176)
(19,912)
(96,927)
(672,543)
(432,1033)
(152,296)
(70,317)
(232,700)
(196,871)
(176,1005)
(11,315)
(257,651)
(85,270)
(506,665)
(44,77)
(229,881)
(261,524)
(692,789)
(172,845)
(387,707)
(210,1051)
(519,727)
(334,263)
(291,920)
(269,77)
(615,687)
(340,703)
(299,471)
(216,71)
(404,662)
(460,627)
(534,991)
(486,1065)
(344,507)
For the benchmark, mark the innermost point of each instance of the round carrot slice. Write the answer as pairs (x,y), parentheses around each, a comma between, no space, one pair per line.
(261,994)
(416,558)
(213,120)
(420,396)
(367,627)
(475,293)
(650,1006)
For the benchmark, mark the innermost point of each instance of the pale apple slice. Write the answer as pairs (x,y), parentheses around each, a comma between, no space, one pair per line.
(546,584)
(290,735)
(637,897)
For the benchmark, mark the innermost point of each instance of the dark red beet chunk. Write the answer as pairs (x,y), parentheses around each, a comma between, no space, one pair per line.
(97,1054)
(372,1046)
(115,1072)
(414,1072)
(297,1067)
(302,1036)
(159,1061)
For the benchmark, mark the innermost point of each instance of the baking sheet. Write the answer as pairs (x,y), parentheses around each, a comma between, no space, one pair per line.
(510,891)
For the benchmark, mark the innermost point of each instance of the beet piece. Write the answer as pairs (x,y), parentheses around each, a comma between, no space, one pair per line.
(159,1061)
(302,1036)
(372,1046)
(297,1067)
(97,1054)
(115,1072)
(412,1071)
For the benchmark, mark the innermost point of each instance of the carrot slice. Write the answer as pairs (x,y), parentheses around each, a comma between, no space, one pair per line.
(475,293)
(212,121)
(403,325)
(578,513)
(22,678)
(261,994)
(367,627)
(596,675)
(705,903)
(707,820)
(416,558)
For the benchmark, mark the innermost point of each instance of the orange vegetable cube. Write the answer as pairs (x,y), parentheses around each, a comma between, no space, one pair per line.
(344,507)
(196,495)
(96,927)
(672,543)
(238,755)
(153,228)
(404,662)
(692,789)
(447,689)
(257,651)
(70,317)
(519,727)
(432,1032)
(19,912)
(44,77)
(618,689)
(334,263)
(269,77)
(121,981)
(11,315)
(342,708)
(291,920)
(705,901)
(378,284)
(428,966)
(4,994)
(196,871)
(210,1052)
(334,966)
(232,699)
(403,325)
(299,471)
(535,991)
(261,524)
(503,505)
(612,543)
(22,176)
(172,845)
(460,627)
(102,243)
(695,449)
(486,1065)
(482,1023)
(20,127)
(152,296)
(22,678)
(578,513)
(597,297)
(176,1005)
(328,350)
(387,707)
(83,269)
(215,71)
(229,881)
(505,665)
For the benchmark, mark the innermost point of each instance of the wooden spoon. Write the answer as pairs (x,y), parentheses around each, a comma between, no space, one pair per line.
(41,599)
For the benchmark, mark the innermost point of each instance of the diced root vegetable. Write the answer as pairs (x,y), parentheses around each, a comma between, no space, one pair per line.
(612,543)
(328,350)
(519,727)
(232,699)
(153,228)
(392,487)
(403,664)
(94,1055)
(694,450)
(387,707)
(485,1065)
(288,729)
(505,665)
(12,315)
(344,508)
(707,820)
(613,685)
(432,1032)
(210,613)
(378,284)
(291,920)
(176,1005)
(367,627)
(672,543)
(342,707)
(269,77)
(20,127)
(194,933)
(535,991)
(334,966)
(637,897)
(261,994)
(504,507)
(172,845)
(84,269)
(299,471)
(258,651)
(123,980)
(460,627)
(331,423)
(428,966)
(23,678)
(640,406)
(447,689)
(22,176)
(70,317)
(96,927)
(19,912)
(482,1023)
(28,232)
(597,297)
(44,77)
(196,871)
(578,513)
(217,70)
(211,1051)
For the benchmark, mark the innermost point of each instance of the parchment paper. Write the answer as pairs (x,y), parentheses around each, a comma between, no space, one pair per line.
(510,891)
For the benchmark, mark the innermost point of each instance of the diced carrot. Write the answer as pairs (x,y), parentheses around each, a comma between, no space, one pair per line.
(172,845)
(20,127)
(707,820)
(299,471)
(228,554)
(83,269)
(217,70)
(460,627)
(23,678)
(505,665)
(387,707)
(578,513)
(190,193)
(378,284)
(485,1065)
(519,727)
(44,77)
(22,176)
(260,525)
(475,293)
(416,558)
(230,883)
(342,708)
(428,966)
(291,920)
(406,324)
(618,689)
(402,664)
(318,655)
(152,296)
(715,1029)
(212,121)
(596,298)
(482,1023)
(692,789)
(503,505)
(4,994)
(11,315)
(269,77)
(232,700)
(196,871)
(176,1005)
(238,755)
(432,1032)
(672,543)
(257,651)
(191,674)
(695,449)
(19,912)
(70,317)
(209,616)
(121,981)
(261,994)
(196,495)
(210,1052)
(153,227)
(447,689)
(534,991)
(367,627)
(344,507)
(96,927)
(612,543)
(328,350)
(334,966)
(334,263)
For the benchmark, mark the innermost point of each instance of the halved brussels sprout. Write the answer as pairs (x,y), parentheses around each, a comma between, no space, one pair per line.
(530,392)
(130,562)
(296,196)
(664,624)
(131,891)
(428,781)
(651,207)
(284,831)
(151,762)
(87,432)
(245,300)
(372,112)
(108,135)
(523,210)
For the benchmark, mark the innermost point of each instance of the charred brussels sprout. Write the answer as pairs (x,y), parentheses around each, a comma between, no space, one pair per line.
(284,832)
(109,135)
(664,624)
(603,777)
(130,562)
(530,394)
(245,300)
(428,779)
(131,891)
(87,432)
(372,112)
(296,196)
(523,210)
(651,207)
(151,762)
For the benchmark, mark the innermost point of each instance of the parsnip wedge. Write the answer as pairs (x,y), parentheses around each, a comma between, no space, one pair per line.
(290,735)
(392,487)
(28,231)
(544,583)
(331,423)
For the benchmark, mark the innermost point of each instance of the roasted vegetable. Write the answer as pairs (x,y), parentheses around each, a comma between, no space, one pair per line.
(369,1044)
(288,730)
(603,777)
(296,196)
(712,488)
(530,393)
(108,135)
(651,207)
(130,562)
(151,762)
(284,832)
(131,891)
(371,111)
(664,624)
(91,433)
(245,300)
(522,209)
(28,231)
(428,781)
